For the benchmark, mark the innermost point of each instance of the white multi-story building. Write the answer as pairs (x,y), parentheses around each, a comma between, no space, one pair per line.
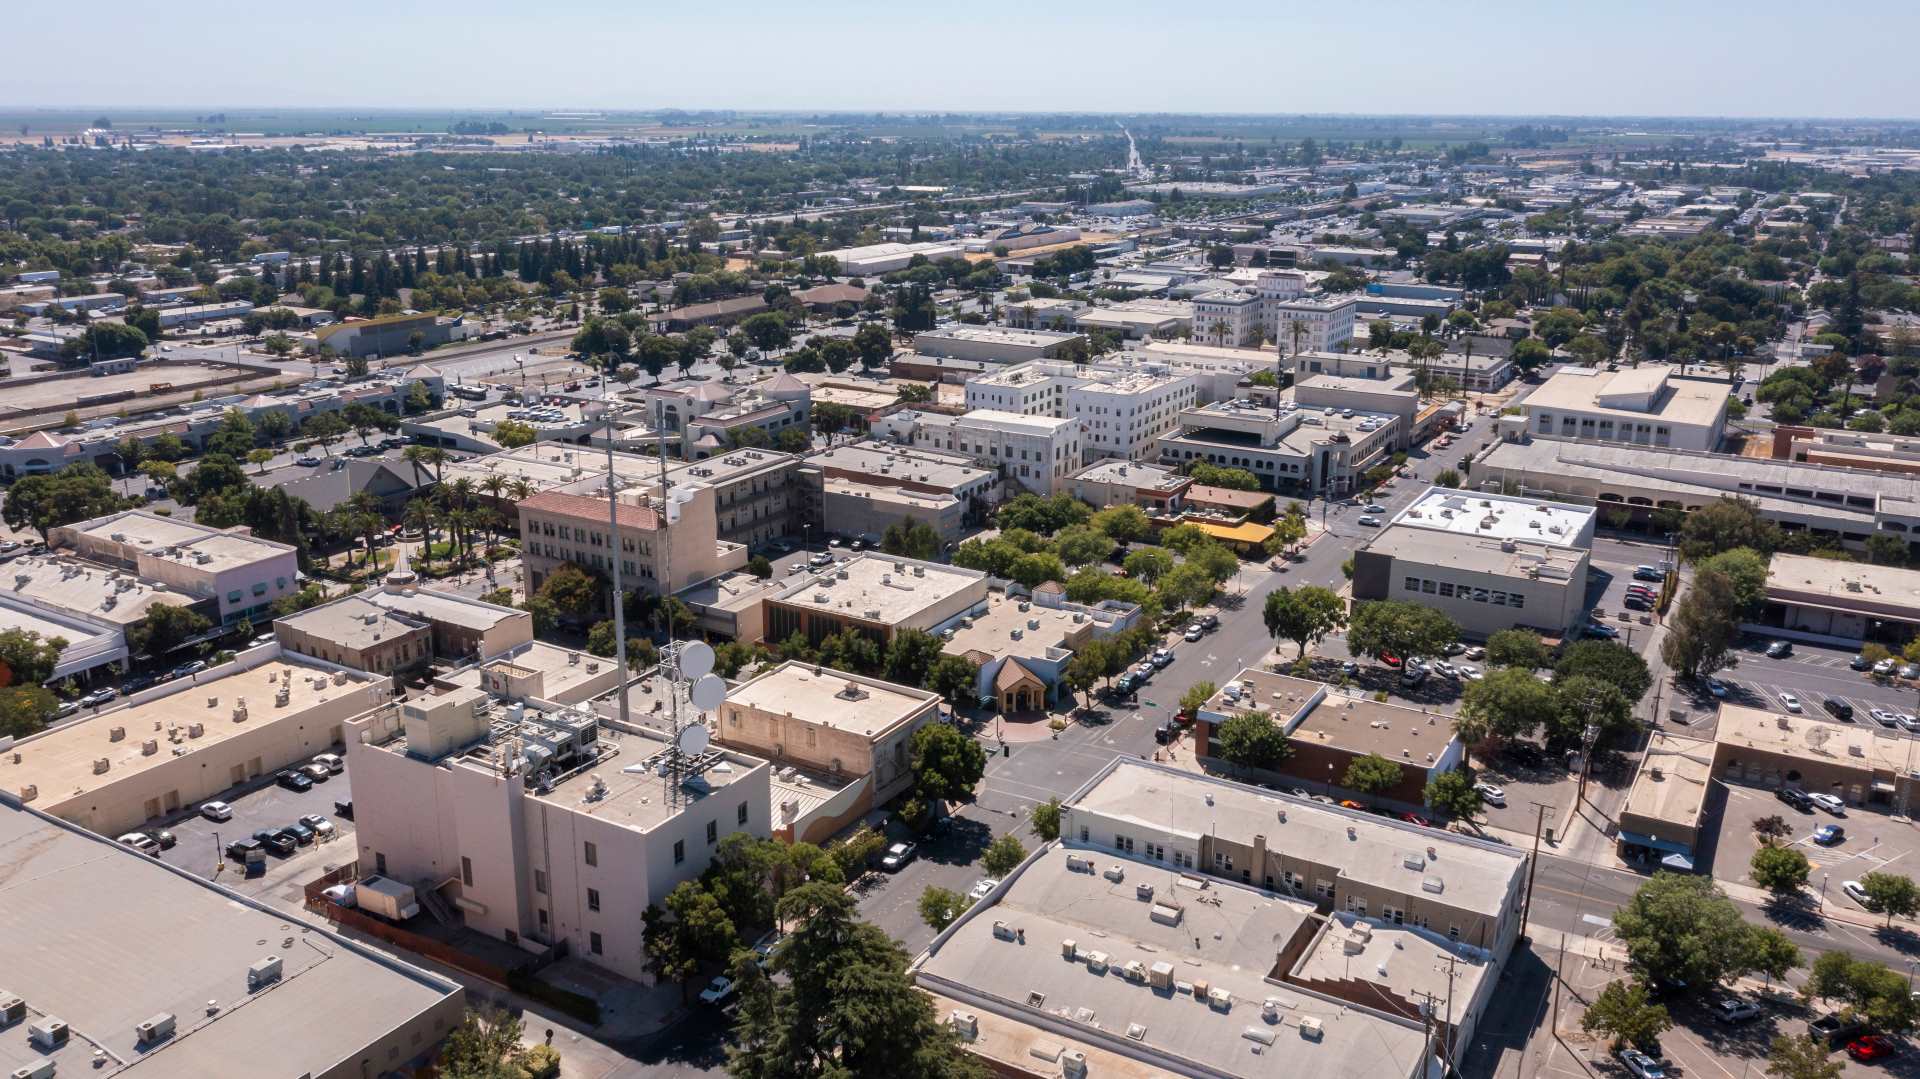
(1325,322)
(1226,317)
(1041,452)
(1123,407)
(1642,407)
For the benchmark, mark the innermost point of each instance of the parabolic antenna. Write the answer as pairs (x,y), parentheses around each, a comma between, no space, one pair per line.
(1817,735)
(708,692)
(696,659)
(692,740)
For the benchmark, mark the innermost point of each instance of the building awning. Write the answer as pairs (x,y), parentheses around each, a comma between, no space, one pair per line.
(1249,532)
(1881,786)
(1678,861)
(1654,842)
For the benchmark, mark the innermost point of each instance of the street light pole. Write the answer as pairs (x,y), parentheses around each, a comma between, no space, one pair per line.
(1533,864)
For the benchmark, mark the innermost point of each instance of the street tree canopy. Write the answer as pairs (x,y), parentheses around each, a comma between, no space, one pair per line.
(1391,627)
(1303,615)
(1251,741)
(1680,928)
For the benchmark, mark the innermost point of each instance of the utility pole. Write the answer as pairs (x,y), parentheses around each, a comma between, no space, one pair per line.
(1533,866)
(1446,1035)
(613,537)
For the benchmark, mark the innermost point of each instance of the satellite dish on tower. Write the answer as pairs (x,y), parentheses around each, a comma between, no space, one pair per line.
(696,659)
(708,692)
(692,741)
(1817,735)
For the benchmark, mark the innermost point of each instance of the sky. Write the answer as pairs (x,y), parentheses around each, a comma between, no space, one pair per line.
(1542,57)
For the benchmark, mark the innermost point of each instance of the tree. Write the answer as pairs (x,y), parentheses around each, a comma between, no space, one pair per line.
(947,765)
(940,906)
(1517,648)
(760,567)
(25,709)
(1746,570)
(1453,794)
(1186,585)
(77,492)
(1251,740)
(601,639)
(1799,1056)
(1610,662)
(486,1045)
(1891,894)
(768,331)
(1382,627)
(1680,928)
(836,1001)
(1196,697)
(1530,354)
(1771,830)
(1724,524)
(1780,870)
(164,628)
(512,434)
(1080,545)
(1046,820)
(1866,988)
(1122,524)
(574,592)
(1701,633)
(27,658)
(1447,477)
(873,344)
(1371,774)
(1002,855)
(1303,615)
(909,657)
(1624,1014)
(690,933)
(1508,703)
(1148,564)
(954,679)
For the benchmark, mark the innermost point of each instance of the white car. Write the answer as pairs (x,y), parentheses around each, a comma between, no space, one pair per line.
(1790,702)
(1829,803)
(1856,893)
(340,895)
(982,888)
(1369,522)
(717,990)
(1466,673)
(1491,794)
(1196,631)
(1884,667)
(1884,717)
(1735,1010)
(141,842)
(216,811)
(1445,667)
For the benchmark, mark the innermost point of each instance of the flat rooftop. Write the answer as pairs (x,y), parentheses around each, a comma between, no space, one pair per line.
(1638,394)
(899,499)
(640,799)
(1227,936)
(820,695)
(877,588)
(143,530)
(992,631)
(1474,875)
(996,335)
(890,463)
(563,669)
(1497,517)
(1840,745)
(1012,422)
(1414,964)
(443,607)
(1673,780)
(1806,580)
(1138,474)
(61,761)
(105,938)
(1478,554)
(351,622)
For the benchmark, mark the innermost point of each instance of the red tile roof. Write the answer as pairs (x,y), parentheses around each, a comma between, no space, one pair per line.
(644,518)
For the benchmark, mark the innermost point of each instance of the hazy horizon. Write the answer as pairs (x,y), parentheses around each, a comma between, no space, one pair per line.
(1634,59)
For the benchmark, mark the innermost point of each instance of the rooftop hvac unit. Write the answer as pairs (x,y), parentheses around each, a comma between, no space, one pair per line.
(48,1033)
(153,1029)
(39,1069)
(263,971)
(966,1023)
(12,1009)
(1073,1064)
(1310,1028)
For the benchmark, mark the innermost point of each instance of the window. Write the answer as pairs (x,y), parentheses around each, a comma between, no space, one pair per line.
(1413,584)
(593,943)
(741,815)
(679,851)
(1083,837)
(592,854)
(466,868)
(543,919)
(1453,932)
(1427,586)
(593,899)
(713,832)
(380,866)
(540,881)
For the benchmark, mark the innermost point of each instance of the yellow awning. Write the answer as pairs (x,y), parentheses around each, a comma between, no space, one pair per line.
(1247,532)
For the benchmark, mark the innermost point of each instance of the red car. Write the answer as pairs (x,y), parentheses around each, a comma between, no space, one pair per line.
(1416,819)
(1390,659)
(1870,1048)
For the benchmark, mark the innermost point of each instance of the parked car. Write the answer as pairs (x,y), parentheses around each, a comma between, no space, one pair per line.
(1601,629)
(240,848)
(1858,894)
(1828,835)
(717,990)
(1416,820)
(1779,649)
(301,834)
(1884,717)
(1348,803)
(1836,1028)
(331,761)
(316,772)
(308,461)
(66,709)
(1788,701)
(141,842)
(1376,508)
(1211,621)
(898,856)
(1195,632)
(1858,663)
(319,825)
(1735,1010)
(1830,803)
(278,842)
(1161,657)
(1350,668)
(1883,668)
(1871,1048)
(340,895)
(1369,521)
(1476,653)
(216,811)
(982,888)
(1796,798)
(294,781)
(1839,709)
(1491,794)
(1717,688)
(1640,1065)
(186,669)
(1648,573)
(343,808)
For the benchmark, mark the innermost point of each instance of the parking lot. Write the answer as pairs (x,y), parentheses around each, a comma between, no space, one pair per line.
(264,805)
(1813,674)
(1872,841)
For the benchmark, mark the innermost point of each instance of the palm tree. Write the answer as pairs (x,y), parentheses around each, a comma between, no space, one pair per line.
(418,517)
(459,521)
(364,512)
